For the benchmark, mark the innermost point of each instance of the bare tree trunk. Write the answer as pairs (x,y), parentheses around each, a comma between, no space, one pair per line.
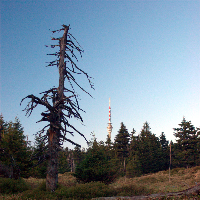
(52,168)
(62,66)
(58,120)
(124,166)
(54,133)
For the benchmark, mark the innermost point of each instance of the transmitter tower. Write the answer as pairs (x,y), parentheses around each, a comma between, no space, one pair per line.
(109,128)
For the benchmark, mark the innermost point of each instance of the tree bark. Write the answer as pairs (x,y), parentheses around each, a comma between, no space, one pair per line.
(52,168)
(62,66)
(54,133)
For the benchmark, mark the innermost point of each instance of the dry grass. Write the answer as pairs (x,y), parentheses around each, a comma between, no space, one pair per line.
(34,182)
(67,179)
(180,179)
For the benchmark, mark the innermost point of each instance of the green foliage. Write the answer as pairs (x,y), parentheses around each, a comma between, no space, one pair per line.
(8,185)
(39,158)
(38,195)
(97,166)
(133,168)
(122,142)
(42,186)
(164,153)
(187,146)
(63,162)
(146,152)
(15,152)
(86,191)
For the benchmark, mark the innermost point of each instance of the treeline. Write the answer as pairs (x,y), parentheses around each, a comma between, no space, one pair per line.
(129,154)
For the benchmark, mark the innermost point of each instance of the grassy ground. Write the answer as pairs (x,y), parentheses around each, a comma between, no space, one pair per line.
(180,179)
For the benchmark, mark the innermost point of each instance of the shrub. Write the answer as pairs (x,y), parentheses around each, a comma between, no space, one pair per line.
(97,166)
(42,186)
(38,193)
(8,185)
(85,191)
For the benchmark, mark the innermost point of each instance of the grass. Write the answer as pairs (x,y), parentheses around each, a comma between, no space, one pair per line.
(68,188)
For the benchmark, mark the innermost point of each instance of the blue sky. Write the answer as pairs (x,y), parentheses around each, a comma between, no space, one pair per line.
(144,55)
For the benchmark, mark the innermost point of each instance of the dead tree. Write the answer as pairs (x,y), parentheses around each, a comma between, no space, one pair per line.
(61,103)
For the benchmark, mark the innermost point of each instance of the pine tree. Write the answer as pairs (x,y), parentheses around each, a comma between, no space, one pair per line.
(39,158)
(187,143)
(2,127)
(133,143)
(164,157)
(15,152)
(78,155)
(148,150)
(121,144)
(133,165)
(63,162)
(97,165)
(108,141)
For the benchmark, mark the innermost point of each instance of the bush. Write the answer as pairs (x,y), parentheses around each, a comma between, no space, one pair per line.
(38,193)
(97,166)
(85,191)
(42,186)
(8,185)
(133,169)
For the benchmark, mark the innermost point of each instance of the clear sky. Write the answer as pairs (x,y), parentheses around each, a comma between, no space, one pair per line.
(143,54)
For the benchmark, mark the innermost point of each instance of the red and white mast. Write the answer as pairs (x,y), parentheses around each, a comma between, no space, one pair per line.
(109,128)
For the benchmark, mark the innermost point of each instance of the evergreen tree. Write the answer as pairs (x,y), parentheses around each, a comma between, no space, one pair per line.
(133,144)
(109,146)
(15,152)
(187,144)
(3,125)
(78,155)
(122,144)
(63,162)
(39,158)
(148,151)
(97,165)
(108,141)
(164,164)
(133,165)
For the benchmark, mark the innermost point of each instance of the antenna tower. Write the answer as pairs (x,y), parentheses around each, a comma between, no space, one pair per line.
(109,128)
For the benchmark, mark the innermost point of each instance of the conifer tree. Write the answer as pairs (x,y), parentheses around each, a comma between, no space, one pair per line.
(108,141)
(2,127)
(148,150)
(63,162)
(133,165)
(97,165)
(164,157)
(133,143)
(15,152)
(121,144)
(187,143)
(78,155)
(39,158)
